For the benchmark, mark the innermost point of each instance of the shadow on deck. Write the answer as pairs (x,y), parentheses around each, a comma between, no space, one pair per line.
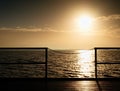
(60,84)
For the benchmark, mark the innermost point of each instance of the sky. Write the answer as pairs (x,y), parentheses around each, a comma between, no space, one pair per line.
(52,23)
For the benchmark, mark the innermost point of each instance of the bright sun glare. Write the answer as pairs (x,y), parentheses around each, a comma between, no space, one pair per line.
(84,22)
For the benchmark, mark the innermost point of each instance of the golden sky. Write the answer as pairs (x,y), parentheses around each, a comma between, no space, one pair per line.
(60,24)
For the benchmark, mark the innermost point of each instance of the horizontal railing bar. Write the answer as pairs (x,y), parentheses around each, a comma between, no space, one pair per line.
(108,63)
(23,47)
(24,63)
(107,48)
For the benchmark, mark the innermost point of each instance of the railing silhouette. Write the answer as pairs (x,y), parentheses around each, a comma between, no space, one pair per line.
(28,63)
(46,58)
(103,63)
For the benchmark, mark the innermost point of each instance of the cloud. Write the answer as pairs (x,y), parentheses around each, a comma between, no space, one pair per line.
(20,29)
(109,24)
(109,18)
(104,24)
(33,29)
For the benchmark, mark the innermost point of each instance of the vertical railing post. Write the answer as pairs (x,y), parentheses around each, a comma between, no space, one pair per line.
(96,63)
(46,62)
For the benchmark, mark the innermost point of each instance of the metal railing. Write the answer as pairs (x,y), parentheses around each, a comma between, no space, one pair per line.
(104,63)
(46,58)
(15,63)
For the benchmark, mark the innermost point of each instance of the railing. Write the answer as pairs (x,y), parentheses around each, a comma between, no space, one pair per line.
(28,63)
(108,62)
(97,62)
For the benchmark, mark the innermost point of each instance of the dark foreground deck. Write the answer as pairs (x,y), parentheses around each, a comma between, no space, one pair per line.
(60,85)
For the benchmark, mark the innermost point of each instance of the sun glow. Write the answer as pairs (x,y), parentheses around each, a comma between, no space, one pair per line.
(84,22)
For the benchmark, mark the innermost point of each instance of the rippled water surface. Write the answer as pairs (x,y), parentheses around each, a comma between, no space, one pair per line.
(61,63)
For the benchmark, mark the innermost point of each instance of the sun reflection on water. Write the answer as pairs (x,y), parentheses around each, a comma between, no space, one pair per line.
(85,60)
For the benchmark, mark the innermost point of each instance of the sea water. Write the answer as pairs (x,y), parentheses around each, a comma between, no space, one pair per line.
(17,63)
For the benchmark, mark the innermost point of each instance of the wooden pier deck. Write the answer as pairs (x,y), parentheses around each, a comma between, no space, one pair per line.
(59,85)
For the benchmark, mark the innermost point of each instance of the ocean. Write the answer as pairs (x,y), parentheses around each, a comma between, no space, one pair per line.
(22,63)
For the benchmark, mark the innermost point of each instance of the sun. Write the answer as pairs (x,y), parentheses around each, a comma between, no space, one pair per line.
(84,22)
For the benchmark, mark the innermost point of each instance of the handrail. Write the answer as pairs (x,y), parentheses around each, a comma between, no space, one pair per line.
(96,61)
(46,58)
(28,48)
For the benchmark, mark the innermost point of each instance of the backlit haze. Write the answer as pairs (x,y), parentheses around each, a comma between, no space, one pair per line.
(60,24)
